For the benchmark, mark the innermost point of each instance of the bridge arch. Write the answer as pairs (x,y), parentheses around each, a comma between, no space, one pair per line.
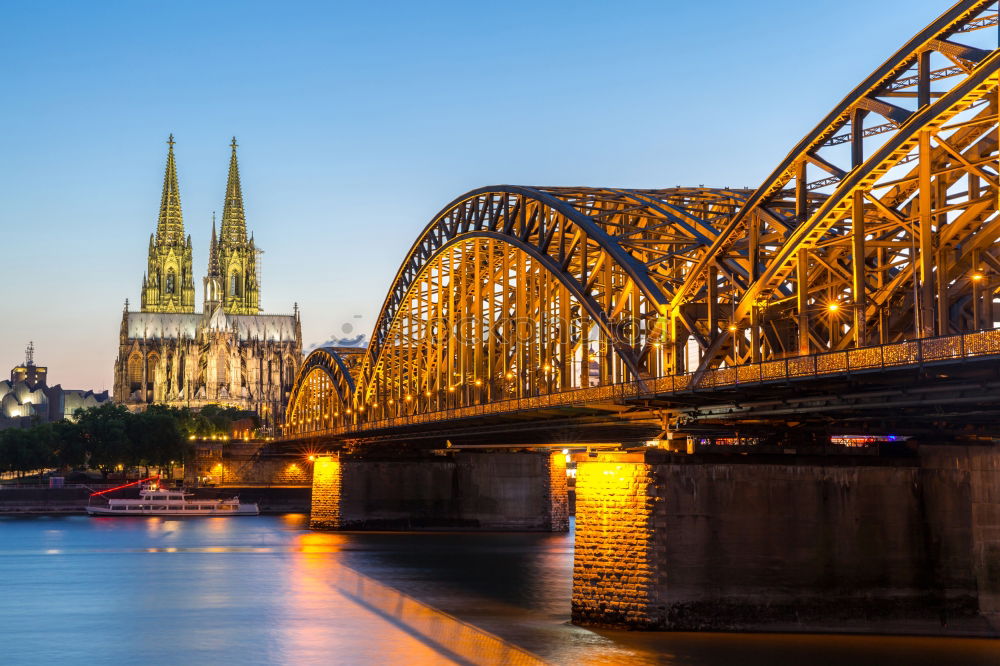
(880,225)
(322,391)
(819,282)
(793,189)
(592,268)
(617,254)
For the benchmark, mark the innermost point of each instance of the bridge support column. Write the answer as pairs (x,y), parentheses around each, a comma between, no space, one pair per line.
(962,489)
(790,543)
(326,493)
(615,579)
(487,490)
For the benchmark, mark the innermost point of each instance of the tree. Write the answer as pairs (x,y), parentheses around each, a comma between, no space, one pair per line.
(104,430)
(156,439)
(24,449)
(68,444)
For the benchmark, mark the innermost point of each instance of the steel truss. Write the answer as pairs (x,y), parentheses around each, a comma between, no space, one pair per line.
(879,226)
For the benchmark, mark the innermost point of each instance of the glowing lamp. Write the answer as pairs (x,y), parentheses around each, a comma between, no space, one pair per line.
(479,382)
(978,277)
(833,307)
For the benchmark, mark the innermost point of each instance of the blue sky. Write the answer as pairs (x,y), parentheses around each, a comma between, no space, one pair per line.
(357,122)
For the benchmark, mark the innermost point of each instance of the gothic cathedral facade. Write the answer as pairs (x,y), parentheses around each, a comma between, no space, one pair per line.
(227,354)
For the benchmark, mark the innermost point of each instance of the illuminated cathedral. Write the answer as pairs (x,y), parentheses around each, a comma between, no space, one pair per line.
(227,354)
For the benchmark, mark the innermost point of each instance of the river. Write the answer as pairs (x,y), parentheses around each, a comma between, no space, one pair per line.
(267,590)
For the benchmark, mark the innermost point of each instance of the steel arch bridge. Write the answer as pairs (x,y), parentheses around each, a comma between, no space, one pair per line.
(878,229)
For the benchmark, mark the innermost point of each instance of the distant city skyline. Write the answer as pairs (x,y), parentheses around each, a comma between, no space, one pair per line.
(356,124)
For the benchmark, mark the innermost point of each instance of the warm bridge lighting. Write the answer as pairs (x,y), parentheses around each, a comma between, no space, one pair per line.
(833,307)
(978,277)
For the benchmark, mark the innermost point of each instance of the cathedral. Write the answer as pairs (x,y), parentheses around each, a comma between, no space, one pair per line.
(227,354)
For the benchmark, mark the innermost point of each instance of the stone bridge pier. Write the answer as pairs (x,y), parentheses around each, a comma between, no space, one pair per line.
(829,543)
(485,490)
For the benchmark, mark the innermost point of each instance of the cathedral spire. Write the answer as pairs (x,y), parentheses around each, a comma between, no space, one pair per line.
(168,285)
(234,225)
(237,256)
(213,279)
(214,270)
(170,227)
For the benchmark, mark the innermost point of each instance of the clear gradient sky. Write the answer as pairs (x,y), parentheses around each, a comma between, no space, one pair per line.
(358,121)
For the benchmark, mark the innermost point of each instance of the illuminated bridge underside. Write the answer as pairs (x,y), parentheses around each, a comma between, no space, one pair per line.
(879,229)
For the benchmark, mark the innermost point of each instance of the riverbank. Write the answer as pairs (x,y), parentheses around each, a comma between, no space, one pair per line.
(73,500)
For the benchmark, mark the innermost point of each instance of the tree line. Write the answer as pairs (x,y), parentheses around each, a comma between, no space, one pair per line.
(102,438)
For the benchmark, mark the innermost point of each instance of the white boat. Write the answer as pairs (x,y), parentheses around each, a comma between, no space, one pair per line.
(156,501)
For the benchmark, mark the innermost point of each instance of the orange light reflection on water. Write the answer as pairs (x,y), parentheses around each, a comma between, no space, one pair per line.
(337,610)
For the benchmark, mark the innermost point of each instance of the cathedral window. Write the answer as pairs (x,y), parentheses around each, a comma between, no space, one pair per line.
(234,284)
(135,371)
(151,364)
(170,281)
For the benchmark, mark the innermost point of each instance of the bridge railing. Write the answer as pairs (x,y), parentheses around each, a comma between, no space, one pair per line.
(862,359)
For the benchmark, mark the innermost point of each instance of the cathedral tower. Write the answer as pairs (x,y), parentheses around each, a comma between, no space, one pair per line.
(236,255)
(213,279)
(168,285)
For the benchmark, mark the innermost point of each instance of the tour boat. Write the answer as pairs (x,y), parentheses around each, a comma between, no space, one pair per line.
(156,501)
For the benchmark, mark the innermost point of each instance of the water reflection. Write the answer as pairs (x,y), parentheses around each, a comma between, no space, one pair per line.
(409,631)
(267,591)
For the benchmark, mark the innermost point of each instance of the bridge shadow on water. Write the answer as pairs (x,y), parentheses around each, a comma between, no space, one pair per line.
(480,598)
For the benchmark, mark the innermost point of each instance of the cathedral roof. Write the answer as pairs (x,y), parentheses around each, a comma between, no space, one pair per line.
(280,328)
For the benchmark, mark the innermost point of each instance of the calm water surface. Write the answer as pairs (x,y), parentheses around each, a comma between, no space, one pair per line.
(266,590)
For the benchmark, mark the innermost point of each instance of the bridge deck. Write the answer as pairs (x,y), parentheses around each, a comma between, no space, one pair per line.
(636,410)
